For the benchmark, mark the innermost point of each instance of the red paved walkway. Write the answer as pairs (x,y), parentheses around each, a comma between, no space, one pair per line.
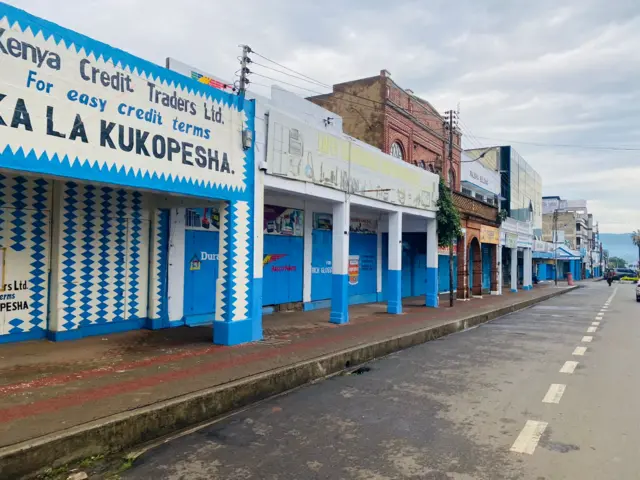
(47,387)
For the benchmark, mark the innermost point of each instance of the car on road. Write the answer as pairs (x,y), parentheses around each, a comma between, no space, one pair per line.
(618,273)
(638,291)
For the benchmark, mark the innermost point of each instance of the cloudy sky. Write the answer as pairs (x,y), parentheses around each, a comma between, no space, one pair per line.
(557,74)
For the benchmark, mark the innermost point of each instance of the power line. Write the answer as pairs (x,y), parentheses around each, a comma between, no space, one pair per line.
(286,83)
(470,135)
(290,69)
(562,145)
(289,74)
(319,83)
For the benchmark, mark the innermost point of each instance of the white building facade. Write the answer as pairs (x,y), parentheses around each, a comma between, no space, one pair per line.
(98,149)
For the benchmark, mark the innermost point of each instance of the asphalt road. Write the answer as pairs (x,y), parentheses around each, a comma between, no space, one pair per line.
(488,403)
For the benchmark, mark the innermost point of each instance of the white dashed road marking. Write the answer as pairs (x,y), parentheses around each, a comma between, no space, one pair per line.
(529,437)
(595,324)
(554,394)
(587,338)
(580,350)
(592,329)
(569,367)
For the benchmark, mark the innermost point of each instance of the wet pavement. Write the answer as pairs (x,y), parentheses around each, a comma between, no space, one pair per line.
(455,408)
(49,387)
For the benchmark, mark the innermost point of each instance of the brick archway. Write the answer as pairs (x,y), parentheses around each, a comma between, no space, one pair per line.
(475,269)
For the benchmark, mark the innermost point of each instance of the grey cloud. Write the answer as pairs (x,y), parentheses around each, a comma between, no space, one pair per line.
(545,72)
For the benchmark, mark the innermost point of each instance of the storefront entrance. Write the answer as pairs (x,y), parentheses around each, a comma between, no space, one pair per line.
(200,275)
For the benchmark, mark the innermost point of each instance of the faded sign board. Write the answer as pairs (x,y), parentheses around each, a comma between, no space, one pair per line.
(300,152)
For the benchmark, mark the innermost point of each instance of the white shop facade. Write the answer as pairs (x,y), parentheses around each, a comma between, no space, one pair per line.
(97,149)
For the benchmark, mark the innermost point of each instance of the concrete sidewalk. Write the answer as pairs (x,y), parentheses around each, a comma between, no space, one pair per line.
(63,401)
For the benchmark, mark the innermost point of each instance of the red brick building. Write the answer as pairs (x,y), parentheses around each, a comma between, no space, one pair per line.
(379,112)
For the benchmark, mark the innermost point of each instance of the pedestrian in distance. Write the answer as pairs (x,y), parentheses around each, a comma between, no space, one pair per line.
(610,277)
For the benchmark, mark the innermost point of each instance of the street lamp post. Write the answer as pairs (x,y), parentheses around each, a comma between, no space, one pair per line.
(555,245)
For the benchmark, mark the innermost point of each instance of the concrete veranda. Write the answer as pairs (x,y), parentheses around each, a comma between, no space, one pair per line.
(48,387)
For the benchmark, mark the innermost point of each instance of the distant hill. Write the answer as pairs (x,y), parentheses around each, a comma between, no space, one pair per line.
(619,245)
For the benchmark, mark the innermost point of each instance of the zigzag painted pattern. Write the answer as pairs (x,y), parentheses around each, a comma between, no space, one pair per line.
(69,253)
(241,257)
(223,260)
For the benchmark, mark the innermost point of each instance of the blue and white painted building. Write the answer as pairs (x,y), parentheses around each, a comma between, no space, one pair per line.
(369,230)
(341,222)
(99,153)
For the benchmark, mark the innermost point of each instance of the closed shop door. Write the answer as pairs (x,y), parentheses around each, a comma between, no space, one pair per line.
(419,286)
(486,267)
(200,275)
(282,269)
(363,250)
(321,254)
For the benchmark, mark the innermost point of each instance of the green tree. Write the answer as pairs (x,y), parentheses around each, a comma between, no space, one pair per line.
(635,238)
(448,228)
(617,262)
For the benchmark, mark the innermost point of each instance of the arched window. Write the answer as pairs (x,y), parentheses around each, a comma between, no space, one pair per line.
(431,169)
(396,150)
(452,179)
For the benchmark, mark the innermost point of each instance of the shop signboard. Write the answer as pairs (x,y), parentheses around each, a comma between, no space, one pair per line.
(206,219)
(301,152)
(324,221)
(354,269)
(283,221)
(524,242)
(74,107)
(511,240)
(479,175)
(445,250)
(489,235)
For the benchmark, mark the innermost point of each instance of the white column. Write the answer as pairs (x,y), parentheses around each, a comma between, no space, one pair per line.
(465,267)
(176,264)
(394,277)
(379,260)
(514,270)
(499,266)
(432,263)
(258,248)
(340,264)
(528,269)
(307,252)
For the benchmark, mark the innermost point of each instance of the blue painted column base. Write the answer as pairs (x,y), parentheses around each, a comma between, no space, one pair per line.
(514,290)
(256,330)
(432,287)
(394,299)
(527,287)
(339,299)
(232,333)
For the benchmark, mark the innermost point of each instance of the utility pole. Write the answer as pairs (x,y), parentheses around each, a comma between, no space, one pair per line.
(555,246)
(244,70)
(451,119)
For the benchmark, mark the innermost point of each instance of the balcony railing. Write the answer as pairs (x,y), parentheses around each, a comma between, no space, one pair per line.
(472,207)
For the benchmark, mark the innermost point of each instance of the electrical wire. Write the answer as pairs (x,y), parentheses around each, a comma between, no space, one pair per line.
(290,69)
(286,83)
(319,83)
(289,74)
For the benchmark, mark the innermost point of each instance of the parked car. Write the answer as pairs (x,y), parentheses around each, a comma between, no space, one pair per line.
(618,273)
